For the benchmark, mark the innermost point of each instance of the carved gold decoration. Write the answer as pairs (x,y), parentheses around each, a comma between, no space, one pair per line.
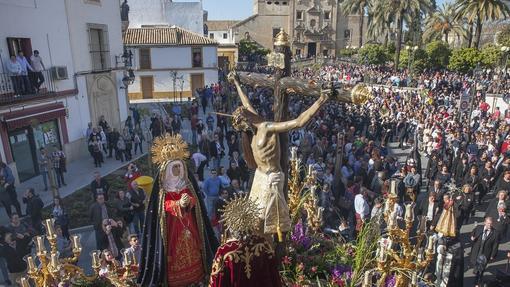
(244,253)
(169,147)
(240,215)
(282,39)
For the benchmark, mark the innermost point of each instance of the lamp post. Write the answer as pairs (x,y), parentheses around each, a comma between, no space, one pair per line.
(505,50)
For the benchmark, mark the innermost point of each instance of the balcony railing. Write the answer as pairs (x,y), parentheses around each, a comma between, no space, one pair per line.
(15,89)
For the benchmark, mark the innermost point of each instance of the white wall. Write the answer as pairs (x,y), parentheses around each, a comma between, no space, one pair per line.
(174,57)
(45,25)
(218,36)
(163,80)
(187,15)
(146,12)
(210,56)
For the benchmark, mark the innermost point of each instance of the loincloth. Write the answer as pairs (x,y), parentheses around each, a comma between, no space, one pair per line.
(268,196)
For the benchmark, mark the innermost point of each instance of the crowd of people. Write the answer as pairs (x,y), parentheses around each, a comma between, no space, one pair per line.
(467,171)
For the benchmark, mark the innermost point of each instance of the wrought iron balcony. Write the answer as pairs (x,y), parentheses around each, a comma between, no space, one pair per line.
(14,89)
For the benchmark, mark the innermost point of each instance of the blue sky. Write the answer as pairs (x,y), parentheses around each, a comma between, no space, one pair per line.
(237,9)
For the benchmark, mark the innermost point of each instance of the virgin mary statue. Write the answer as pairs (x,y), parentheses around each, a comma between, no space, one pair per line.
(178,243)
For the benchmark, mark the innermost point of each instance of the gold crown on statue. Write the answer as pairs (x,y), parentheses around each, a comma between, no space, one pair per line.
(169,147)
(240,215)
(281,39)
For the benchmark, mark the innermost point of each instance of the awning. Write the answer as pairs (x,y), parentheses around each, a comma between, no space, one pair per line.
(26,117)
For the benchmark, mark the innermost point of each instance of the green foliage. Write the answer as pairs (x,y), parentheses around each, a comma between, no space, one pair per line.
(491,56)
(464,59)
(438,54)
(347,52)
(372,54)
(503,37)
(251,49)
(419,60)
(390,50)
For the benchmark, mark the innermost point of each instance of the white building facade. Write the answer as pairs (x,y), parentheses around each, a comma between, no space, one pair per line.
(221,32)
(170,63)
(79,42)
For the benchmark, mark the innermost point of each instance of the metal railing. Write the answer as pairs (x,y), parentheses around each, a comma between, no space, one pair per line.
(15,89)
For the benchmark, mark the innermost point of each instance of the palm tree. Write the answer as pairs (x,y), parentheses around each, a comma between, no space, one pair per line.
(480,11)
(406,9)
(380,22)
(443,22)
(356,7)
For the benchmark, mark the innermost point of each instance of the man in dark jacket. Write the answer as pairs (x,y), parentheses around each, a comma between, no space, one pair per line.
(97,213)
(431,209)
(34,209)
(99,186)
(13,250)
(485,247)
(137,197)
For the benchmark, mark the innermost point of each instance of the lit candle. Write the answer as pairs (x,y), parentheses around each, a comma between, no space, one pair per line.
(40,244)
(76,241)
(54,259)
(127,260)
(50,229)
(31,263)
(24,282)
(409,212)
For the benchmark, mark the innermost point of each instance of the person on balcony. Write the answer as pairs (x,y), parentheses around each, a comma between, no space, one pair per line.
(25,67)
(14,69)
(38,68)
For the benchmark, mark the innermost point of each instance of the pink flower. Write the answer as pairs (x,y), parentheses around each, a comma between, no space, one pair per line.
(301,266)
(301,278)
(287,260)
(314,269)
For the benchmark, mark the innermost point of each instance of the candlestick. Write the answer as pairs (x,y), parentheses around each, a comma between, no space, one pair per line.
(127,260)
(75,239)
(134,260)
(41,248)
(24,282)
(414,279)
(31,264)
(50,229)
(54,259)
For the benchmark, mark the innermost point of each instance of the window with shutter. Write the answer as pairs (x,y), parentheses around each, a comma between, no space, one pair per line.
(145,58)
(99,48)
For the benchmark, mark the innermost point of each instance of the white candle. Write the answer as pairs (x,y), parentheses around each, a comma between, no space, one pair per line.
(31,263)
(95,258)
(293,153)
(310,170)
(414,279)
(127,260)
(76,241)
(24,282)
(409,212)
(54,259)
(40,244)
(430,245)
(367,282)
(50,229)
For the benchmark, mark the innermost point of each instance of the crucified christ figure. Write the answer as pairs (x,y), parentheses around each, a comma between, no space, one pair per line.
(261,146)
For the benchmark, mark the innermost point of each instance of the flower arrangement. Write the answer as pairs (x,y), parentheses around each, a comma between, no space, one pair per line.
(317,259)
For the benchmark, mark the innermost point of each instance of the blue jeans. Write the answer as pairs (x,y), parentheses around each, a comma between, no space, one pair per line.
(210,202)
(135,227)
(45,178)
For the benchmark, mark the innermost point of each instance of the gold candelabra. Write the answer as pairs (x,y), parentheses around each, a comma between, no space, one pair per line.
(53,270)
(296,196)
(398,253)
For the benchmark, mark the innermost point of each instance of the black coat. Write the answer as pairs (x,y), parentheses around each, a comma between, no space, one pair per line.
(34,208)
(14,256)
(487,247)
(103,184)
(153,261)
(423,207)
(213,150)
